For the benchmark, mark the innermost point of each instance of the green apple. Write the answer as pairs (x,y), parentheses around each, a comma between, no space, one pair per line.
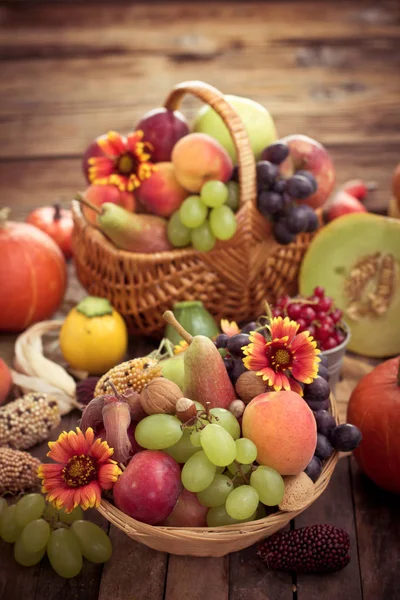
(257,121)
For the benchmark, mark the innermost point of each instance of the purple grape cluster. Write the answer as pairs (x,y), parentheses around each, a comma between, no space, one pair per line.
(277,198)
(231,350)
(330,436)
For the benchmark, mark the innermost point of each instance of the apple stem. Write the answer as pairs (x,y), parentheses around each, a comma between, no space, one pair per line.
(82,200)
(57,211)
(170,318)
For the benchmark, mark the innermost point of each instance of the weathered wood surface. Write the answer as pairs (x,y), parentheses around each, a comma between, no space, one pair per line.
(71,71)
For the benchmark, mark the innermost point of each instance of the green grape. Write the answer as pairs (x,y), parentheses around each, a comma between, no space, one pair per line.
(178,234)
(269,485)
(158,432)
(3,506)
(195,439)
(202,238)
(29,508)
(192,212)
(223,352)
(174,370)
(199,406)
(219,470)
(246,451)
(223,222)
(214,193)
(261,512)
(51,514)
(217,492)
(9,528)
(35,536)
(183,449)
(218,517)
(233,468)
(24,558)
(64,553)
(94,542)
(227,420)
(75,515)
(197,473)
(218,445)
(242,502)
(233,195)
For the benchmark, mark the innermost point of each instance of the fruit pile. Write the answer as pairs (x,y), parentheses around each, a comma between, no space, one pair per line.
(36,528)
(315,314)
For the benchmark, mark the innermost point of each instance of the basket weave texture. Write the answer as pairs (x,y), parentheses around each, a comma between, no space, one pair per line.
(214,541)
(233,280)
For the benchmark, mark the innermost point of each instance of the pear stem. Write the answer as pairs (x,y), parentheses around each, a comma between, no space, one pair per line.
(83,200)
(170,318)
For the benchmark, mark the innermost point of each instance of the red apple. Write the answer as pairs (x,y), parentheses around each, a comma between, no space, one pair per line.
(344,204)
(161,194)
(188,512)
(149,487)
(5,381)
(162,128)
(99,194)
(356,188)
(309,155)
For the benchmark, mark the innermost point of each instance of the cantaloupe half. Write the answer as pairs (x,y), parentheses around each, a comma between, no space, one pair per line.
(356,258)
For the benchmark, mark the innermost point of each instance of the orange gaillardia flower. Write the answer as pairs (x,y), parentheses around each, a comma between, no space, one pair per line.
(125,162)
(285,360)
(229,328)
(83,469)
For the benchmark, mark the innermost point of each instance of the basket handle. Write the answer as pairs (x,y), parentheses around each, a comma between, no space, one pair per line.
(245,157)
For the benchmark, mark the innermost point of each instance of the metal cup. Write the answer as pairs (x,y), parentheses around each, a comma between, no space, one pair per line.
(335,359)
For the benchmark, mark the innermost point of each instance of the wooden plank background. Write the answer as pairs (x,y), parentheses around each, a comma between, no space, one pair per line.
(329,69)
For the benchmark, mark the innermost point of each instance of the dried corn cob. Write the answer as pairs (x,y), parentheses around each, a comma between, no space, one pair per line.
(28,420)
(18,471)
(133,374)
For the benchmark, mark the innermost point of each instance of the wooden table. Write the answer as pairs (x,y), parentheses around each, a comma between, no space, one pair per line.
(71,71)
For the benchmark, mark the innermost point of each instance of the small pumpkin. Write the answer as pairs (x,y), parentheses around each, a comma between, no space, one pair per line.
(57,223)
(193,317)
(33,275)
(93,337)
(374,407)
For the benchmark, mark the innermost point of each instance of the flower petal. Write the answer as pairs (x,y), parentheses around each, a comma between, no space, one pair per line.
(101,451)
(295,386)
(108,475)
(283,327)
(88,496)
(113,144)
(60,450)
(229,328)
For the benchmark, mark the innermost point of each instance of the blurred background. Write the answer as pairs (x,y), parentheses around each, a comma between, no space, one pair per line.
(71,71)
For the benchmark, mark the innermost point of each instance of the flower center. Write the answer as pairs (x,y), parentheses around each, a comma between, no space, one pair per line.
(79,471)
(127,164)
(280,357)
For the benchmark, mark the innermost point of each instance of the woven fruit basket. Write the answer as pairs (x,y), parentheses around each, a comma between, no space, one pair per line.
(215,541)
(233,280)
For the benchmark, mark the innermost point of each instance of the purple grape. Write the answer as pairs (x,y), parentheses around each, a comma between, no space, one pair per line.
(235,174)
(299,187)
(314,468)
(323,372)
(313,223)
(229,362)
(279,186)
(324,360)
(297,219)
(275,153)
(324,448)
(317,390)
(282,234)
(236,343)
(310,177)
(237,370)
(345,437)
(266,173)
(325,422)
(252,326)
(318,404)
(222,340)
(269,203)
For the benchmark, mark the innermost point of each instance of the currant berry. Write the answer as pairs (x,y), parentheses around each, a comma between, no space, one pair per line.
(276,312)
(324,304)
(308,314)
(319,291)
(321,316)
(329,321)
(283,301)
(311,329)
(336,315)
(293,311)
(302,324)
(323,332)
(340,337)
(330,343)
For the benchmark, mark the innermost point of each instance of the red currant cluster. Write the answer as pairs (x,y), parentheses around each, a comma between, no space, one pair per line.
(315,314)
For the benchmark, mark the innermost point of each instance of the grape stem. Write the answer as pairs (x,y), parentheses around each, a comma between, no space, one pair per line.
(170,318)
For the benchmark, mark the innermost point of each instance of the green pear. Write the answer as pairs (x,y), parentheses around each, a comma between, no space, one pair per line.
(130,231)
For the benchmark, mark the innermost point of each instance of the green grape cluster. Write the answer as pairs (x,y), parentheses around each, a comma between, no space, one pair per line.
(218,465)
(36,528)
(202,220)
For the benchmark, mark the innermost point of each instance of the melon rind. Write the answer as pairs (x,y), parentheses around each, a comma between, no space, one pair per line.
(329,258)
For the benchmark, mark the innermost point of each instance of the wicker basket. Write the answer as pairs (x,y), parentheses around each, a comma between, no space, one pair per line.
(214,541)
(233,280)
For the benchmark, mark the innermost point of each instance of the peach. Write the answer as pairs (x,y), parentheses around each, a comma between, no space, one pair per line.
(283,428)
(161,194)
(199,158)
(99,194)
(5,381)
(309,155)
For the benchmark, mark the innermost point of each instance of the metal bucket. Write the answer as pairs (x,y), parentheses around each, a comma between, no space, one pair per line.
(335,359)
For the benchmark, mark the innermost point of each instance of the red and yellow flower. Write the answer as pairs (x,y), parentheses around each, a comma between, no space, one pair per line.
(83,469)
(125,161)
(286,360)
(229,328)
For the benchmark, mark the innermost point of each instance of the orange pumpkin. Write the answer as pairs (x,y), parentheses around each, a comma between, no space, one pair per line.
(374,407)
(33,275)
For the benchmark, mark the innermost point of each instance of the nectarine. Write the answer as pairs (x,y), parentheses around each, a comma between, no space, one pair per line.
(161,194)
(283,428)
